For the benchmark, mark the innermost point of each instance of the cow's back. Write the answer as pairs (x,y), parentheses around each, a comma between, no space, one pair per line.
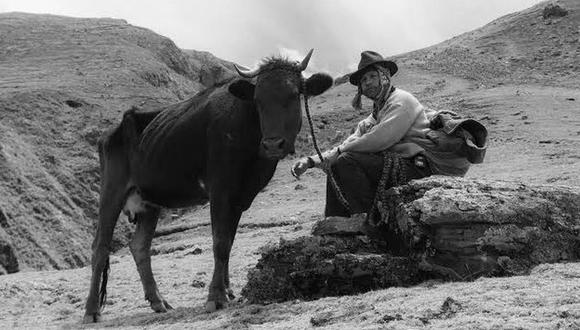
(170,161)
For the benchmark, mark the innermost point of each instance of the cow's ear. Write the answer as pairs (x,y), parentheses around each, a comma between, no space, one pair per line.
(242,89)
(318,83)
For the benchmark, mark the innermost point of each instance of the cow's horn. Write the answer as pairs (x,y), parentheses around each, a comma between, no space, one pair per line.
(247,73)
(305,61)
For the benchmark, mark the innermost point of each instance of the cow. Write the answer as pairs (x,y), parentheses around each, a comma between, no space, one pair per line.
(222,146)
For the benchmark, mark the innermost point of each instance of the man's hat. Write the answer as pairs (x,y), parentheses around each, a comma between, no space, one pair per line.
(368,58)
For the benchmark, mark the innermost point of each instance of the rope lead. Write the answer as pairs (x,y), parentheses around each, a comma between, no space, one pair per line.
(333,181)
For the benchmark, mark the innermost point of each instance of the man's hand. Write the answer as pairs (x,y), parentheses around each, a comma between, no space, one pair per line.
(301,166)
(365,125)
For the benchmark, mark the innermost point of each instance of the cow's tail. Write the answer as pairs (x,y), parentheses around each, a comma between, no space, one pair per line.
(104,279)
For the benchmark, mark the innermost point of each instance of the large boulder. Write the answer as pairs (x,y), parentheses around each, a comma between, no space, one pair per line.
(475,227)
(434,228)
(317,266)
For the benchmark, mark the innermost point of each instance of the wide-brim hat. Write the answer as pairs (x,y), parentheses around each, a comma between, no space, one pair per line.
(368,58)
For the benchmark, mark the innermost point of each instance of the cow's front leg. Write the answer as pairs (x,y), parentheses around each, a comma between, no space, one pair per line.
(141,249)
(261,173)
(229,292)
(224,221)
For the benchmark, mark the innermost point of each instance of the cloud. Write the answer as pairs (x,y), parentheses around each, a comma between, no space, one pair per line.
(298,56)
(291,54)
(247,31)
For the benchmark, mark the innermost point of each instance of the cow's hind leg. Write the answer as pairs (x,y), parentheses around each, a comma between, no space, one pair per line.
(110,204)
(141,249)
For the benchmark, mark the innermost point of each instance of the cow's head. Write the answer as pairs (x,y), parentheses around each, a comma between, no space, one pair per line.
(276,95)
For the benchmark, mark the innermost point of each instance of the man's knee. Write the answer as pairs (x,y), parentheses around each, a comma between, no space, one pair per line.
(344,161)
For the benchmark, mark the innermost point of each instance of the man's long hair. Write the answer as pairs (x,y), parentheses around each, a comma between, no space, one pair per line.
(385,77)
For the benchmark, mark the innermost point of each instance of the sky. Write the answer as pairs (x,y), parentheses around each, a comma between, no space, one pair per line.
(246,31)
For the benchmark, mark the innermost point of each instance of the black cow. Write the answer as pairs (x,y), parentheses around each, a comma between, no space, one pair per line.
(223,144)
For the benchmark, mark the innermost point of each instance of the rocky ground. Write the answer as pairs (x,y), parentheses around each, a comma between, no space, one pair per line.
(534,127)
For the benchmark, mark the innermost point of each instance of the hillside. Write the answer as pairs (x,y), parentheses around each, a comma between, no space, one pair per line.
(64,81)
(519,48)
(210,69)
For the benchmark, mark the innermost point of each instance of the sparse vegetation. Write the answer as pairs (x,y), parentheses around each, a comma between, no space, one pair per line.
(553,10)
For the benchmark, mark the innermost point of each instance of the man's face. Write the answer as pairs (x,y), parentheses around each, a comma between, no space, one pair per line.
(370,84)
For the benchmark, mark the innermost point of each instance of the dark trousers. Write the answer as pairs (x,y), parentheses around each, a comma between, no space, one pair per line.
(358,175)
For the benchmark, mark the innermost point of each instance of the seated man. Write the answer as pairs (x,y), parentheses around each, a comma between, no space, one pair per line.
(395,139)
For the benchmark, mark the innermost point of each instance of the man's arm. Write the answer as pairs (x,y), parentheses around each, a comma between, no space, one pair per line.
(389,131)
(361,128)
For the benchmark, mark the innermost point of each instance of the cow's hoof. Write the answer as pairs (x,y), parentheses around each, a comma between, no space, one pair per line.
(212,306)
(91,318)
(161,306)
(230,294)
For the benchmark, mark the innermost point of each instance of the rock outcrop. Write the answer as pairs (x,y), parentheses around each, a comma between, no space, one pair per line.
(480,227)
(553,10)
(8,260)
(434,228)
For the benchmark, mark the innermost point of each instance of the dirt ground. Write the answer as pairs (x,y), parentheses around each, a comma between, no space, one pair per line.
(534,137)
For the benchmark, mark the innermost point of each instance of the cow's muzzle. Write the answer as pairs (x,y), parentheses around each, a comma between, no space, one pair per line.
(274,148)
